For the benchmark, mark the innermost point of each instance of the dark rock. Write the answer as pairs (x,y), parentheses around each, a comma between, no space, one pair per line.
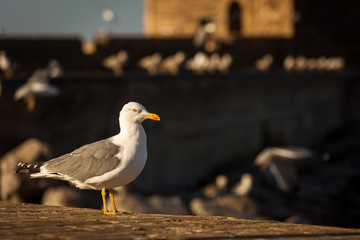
(229,205)
(244,186)
(72,197)
(216,188)
(133,202)
(12,184)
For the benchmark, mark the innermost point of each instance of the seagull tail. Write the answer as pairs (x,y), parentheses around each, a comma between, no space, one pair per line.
(29,167)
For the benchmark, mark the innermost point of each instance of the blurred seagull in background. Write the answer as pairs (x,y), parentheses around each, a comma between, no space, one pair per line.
(300,63)
(225,63)
(108,15)
(289,63)
(281,164)
(151,63)
(38,84)
(198,63)
(105,164)
(263,64)
(171,64)
(116,62)
(202,33)
(213,64)
(7,66)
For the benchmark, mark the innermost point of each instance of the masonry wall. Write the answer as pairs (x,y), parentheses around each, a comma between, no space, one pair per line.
(180,18)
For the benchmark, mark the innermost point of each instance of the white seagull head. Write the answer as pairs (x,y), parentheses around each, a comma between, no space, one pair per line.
(137,113)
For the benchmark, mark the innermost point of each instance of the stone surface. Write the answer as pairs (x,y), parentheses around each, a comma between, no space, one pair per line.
(27,221)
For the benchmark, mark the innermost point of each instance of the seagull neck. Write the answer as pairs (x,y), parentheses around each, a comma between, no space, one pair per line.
(131,130)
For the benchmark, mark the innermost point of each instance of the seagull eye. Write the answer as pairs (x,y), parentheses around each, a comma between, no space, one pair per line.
(135,110)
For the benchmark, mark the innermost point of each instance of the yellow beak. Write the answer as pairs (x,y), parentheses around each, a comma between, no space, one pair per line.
(152,116)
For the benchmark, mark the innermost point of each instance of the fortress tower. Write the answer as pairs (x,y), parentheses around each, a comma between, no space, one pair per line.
(232,18)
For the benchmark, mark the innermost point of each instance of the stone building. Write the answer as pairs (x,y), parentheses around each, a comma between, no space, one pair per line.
(232,18)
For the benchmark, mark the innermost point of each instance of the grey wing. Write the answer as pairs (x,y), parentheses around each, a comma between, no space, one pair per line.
(285,175)
(86,162)
(40,75)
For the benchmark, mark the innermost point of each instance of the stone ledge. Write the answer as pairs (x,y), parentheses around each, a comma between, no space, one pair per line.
(29,221)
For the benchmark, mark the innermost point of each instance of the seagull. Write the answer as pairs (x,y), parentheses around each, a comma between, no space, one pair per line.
(264,63)
(198,63)
(214,61)
(225,63)
(151,63)
(289,63)
(116,62)
(281,163)
(202,33)
(105,164)
(7,65)
(38,84)
(171,64)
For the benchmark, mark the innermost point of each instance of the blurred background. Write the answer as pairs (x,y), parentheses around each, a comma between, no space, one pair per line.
(259,102)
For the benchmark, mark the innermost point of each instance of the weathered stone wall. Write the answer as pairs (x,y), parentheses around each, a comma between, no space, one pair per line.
(206,122)
(28,221)
(180,18)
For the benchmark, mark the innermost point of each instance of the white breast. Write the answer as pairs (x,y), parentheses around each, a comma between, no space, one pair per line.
(133,155)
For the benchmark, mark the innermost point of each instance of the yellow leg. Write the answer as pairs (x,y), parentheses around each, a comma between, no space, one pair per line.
(103,193)
(114,210)
(30,103)
(111,194)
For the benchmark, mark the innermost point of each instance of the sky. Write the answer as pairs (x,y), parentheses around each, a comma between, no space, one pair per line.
(69,17)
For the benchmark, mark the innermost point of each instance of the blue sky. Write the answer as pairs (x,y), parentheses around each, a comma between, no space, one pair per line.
(69,17)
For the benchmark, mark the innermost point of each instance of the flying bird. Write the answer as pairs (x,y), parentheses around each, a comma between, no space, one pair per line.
(38,84)
(105,164)
(281,162)
(7,65)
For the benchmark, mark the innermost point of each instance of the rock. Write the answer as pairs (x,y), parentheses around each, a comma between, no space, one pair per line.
(216,188)
(243,187)
(221,182)
(298,219)
(67,196)
(134,202)
(210,190)
(168,205)
(229,205)
(129,202)
(18,184)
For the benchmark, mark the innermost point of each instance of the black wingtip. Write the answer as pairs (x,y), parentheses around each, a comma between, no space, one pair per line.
(28,167)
